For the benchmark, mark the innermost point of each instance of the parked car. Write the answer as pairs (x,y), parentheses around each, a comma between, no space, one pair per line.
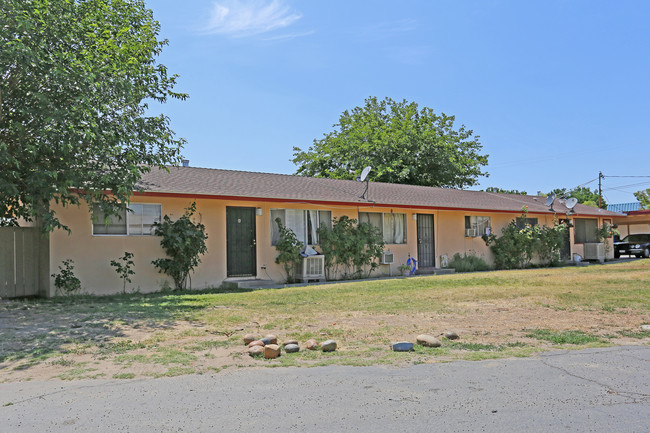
(637,245)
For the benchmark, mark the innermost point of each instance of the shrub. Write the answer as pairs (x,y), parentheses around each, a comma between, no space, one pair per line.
(289,248)
(65,281)
(468,263)
(123,267)
(183,241)
(350,248)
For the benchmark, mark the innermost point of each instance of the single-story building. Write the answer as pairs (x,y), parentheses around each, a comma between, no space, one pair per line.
(238,209)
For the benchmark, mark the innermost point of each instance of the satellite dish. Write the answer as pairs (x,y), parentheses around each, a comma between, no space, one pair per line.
(571,202)
(364,173)
(550,200)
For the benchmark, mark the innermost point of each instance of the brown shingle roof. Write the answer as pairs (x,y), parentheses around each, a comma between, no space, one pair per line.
(197,181)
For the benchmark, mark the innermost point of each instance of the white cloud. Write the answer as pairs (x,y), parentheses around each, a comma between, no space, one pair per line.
(240,18)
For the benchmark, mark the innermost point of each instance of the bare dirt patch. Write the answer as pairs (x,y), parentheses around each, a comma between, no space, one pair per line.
(54,344)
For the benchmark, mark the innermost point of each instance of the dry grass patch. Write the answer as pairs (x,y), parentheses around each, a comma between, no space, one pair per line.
(497,314)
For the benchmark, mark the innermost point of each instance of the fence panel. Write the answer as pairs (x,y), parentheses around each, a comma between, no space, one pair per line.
(19,262)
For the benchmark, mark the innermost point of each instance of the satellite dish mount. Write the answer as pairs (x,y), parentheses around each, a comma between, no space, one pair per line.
(550,200)
(570,204)
(364,178)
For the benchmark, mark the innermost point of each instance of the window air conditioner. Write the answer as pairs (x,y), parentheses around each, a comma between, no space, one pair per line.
(471,233)
(387,258)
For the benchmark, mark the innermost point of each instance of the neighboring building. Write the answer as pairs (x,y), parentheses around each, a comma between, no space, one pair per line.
(635,219)
(238,209)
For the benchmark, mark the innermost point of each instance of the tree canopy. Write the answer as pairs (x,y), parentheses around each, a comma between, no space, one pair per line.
(76,80)
(583,194)
(504,191)
(644,198)
(402,143)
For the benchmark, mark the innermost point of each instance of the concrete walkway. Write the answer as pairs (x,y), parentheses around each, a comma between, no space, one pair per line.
(596,390)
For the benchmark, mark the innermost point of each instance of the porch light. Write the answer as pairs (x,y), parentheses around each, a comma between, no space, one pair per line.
(415,217)
(258,211)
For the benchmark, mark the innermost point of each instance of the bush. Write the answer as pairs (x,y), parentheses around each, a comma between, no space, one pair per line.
(123,267)
(289,247)
(65,281)
(468,263)
(183,240)
(350,248)
(517,246)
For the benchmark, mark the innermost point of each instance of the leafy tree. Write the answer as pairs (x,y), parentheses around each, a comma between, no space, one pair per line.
(183,241)
(76,78)
(504,191)
(644,198)
(403,144)
(583,194)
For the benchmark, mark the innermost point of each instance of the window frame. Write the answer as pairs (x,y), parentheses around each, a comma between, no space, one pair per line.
(522,222)
(126,221)
(586,240)
(305,222)
(381,228)
(486,230)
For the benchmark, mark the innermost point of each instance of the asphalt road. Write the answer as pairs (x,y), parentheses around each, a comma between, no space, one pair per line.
(597,390)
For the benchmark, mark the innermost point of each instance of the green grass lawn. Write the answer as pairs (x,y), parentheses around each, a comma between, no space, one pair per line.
(498,314)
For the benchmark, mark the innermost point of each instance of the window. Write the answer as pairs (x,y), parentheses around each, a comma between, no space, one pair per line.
(477,226)
(522,222)
(139,221)
(391,225)
(304,223)
(585,230)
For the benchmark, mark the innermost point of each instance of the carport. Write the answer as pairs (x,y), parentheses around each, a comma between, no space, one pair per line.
(637,221)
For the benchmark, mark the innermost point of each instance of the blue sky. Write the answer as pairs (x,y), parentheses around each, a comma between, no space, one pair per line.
(557,90)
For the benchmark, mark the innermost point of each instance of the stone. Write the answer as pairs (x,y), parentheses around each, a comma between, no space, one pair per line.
(312,344)
(256,343)
(645,327)
(428,340)
(292,348)
(328,346)
(286,343)
(272,338)
(450,335)
(271,351)
(266,341)
(256,350)
(402,346)
(248,338)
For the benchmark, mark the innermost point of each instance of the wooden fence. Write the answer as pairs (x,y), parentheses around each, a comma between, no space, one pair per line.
(20,257)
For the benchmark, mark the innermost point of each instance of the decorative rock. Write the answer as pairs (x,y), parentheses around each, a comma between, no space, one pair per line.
(402,346)
(450,335)
(428,340)
(248,338)
(272,338)
(291,348)
(271,351)
(286,343)
(266,341)
(328,346)
(256,343)
(256,350)
(312,344)
(645,327)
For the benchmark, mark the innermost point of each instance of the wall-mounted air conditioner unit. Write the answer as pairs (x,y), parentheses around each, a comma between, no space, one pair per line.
(312,268)
(471,233)
(387,258)
(595,251)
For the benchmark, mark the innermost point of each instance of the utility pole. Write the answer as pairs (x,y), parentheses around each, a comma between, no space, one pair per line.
(600,189)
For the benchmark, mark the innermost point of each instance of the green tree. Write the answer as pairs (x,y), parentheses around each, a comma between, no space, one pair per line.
(583,194)
(504,191)
(183,241)
(403,144)
(644,198)
(76,80)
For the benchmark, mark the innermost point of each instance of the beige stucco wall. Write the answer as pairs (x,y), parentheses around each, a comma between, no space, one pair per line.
(92,254)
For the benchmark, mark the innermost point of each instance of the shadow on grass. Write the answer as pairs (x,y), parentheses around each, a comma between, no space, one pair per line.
(33,330)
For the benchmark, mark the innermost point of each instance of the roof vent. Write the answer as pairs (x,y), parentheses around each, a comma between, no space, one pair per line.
(186,163)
